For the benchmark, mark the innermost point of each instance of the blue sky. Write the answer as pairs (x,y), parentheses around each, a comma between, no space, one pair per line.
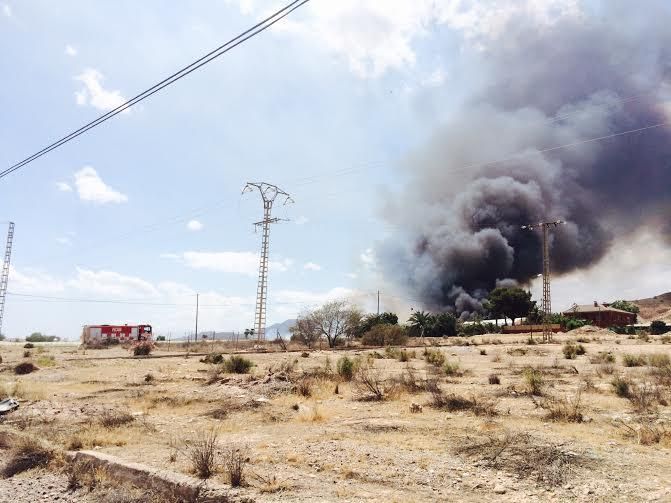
(147,208)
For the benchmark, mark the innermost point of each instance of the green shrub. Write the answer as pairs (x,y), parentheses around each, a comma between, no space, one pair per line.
(237,365)
(658,327)
(494,379)
(29,345)
(629,360)
(434,357)
(346,368)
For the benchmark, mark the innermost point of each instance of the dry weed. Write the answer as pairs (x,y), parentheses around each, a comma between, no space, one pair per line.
(525,456)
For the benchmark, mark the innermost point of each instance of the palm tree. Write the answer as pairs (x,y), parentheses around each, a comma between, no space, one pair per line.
(421,321)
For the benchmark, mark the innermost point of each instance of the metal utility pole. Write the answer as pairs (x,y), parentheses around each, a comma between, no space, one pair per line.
(4,274)
(546,305)
(268,193)
(196,332)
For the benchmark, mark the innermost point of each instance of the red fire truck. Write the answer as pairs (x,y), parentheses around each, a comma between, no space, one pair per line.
(123,333)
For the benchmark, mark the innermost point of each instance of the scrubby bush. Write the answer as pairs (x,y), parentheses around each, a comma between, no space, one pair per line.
(603,357)
(494,379)
(534,380)
(25,368)
(346,368)
(621,386)
(629,360)
(214,358)
(142,348)
(571,350)
(434,357)
(385,334)
(237,365)
(29,345)
(452,369)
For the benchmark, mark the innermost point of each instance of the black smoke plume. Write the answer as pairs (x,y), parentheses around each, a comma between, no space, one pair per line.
(580,78)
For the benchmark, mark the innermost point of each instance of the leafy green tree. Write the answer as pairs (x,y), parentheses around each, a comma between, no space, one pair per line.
(626,306)
(444,325)
(39,337)
(2,337)
(509,302)
(367,322)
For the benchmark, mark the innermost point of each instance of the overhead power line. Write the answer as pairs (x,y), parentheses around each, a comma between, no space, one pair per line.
(219,51)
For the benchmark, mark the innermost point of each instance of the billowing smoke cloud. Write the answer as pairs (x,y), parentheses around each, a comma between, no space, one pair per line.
(597,75)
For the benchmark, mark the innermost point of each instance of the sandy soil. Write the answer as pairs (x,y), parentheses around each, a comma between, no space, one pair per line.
(338,446)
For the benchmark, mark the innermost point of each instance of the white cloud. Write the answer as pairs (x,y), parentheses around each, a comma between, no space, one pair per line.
(94,94)
(311,266)
(65,241)
(436,79)
(70,51)
(231,262)
(33,281)
(111,284)
(368,258)
(194,225)
(90,187)
(302,220)
(169,256)
(297,298)
(352,275)
(374,36)
(7,10)
(64,187)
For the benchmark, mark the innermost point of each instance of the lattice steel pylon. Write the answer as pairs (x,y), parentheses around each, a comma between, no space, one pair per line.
(4,274)
(269,193)
(546,305)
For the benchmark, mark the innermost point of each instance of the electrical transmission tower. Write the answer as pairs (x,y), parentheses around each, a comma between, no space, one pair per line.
(4,274)
(546,305)
(268,193)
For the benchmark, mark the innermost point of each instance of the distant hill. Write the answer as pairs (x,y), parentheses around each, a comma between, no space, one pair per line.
(655,308)
(271,330)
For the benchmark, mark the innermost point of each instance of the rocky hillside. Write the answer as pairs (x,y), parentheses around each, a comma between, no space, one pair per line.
(655,308)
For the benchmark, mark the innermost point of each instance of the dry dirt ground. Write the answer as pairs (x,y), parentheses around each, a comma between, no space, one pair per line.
(306,434)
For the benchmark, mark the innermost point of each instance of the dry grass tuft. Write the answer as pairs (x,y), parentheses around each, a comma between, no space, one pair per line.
(629,360)
(372,387)
(201,452)
(452,402)
(646,432)
(28,454)
(115,419)
(534,381)
(566,410)
(235,459)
